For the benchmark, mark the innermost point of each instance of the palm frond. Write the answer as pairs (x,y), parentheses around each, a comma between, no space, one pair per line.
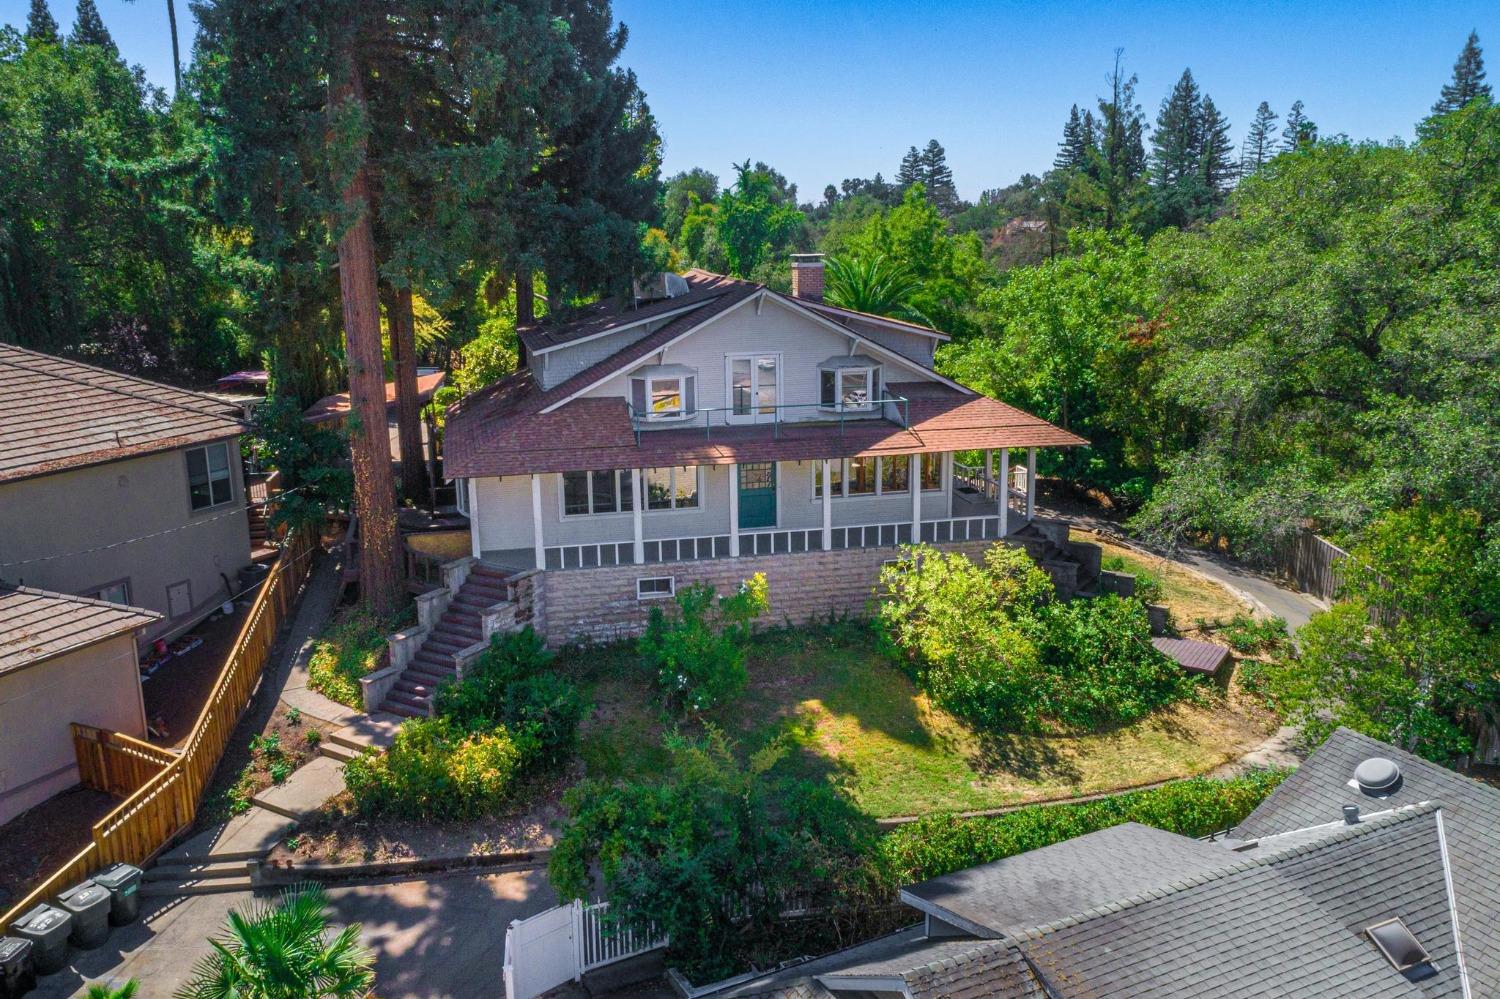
(877,285)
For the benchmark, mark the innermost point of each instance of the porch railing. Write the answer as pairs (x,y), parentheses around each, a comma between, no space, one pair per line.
(988,487)
(783,541)
(895,409)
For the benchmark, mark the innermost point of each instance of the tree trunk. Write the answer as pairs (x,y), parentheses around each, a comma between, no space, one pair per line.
(525,299)
(369,441)
(176,56)
(408,406)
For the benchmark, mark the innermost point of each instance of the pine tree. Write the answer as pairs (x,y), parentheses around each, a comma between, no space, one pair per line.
(1120,162)
(89,29)
(1072,151)
(911,169)
(1259,142)
(1216,161)
(1177,140)
(1468,79)
(937,177)
(41,26)
(1298,131)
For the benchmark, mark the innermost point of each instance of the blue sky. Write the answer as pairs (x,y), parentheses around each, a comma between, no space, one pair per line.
(830,90)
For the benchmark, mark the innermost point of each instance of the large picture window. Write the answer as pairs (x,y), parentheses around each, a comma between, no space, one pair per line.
(673,488)
(606,491)
(877,476)
(209,483)
(664,393)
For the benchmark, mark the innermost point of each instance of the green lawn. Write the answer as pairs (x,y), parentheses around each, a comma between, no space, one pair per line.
(852,715)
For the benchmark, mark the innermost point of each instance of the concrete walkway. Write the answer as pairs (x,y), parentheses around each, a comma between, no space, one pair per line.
(438,936)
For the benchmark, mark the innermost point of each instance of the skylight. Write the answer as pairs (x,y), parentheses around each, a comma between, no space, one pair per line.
(1398,945)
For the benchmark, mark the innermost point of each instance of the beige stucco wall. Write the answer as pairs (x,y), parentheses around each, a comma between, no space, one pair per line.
(98,685)
(104,504)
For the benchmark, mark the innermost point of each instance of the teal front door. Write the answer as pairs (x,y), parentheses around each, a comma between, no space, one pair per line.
(757,495)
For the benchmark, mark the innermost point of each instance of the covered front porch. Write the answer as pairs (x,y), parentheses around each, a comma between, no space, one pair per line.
(771,507)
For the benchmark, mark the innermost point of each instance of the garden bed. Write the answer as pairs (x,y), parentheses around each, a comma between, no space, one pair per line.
(855,717)
(288,740)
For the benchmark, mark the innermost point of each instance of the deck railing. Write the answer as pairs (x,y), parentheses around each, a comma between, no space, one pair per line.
(165,802)
(782,541)
(892,408)
(988,487)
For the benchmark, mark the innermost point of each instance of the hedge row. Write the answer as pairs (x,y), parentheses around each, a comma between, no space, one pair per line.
(942,844)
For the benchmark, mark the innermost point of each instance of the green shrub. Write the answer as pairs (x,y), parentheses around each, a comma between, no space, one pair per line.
(1102,668)
(697,655)
(352,647)
(943,844)
(436,770)
(1246,634)
(507,686)
(1147,584)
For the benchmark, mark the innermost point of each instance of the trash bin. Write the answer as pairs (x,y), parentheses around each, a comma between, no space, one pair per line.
(123,881)
(47,929)
(17,974)
(88,904)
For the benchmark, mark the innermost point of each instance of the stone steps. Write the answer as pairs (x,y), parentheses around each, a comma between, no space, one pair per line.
(457,629)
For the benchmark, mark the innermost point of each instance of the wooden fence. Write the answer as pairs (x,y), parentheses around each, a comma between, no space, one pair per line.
(1312,564)
(165,801)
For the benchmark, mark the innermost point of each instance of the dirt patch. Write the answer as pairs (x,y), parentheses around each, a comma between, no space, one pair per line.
(338,835)
(257,759)
(176,691)
(37,842)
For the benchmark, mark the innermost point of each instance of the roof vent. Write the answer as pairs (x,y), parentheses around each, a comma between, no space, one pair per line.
(1378,776)
(1397,943)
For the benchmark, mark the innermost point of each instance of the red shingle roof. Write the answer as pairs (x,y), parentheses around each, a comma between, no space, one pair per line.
(39,624)
(336,406)
(615,313)
(57,414)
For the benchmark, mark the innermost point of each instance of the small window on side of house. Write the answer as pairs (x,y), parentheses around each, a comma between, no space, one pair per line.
(461,495)
(655,587)
(209,482)
(114,593)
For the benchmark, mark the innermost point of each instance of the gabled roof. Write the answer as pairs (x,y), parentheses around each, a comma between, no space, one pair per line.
(39,624)
(336,406)
(57,414)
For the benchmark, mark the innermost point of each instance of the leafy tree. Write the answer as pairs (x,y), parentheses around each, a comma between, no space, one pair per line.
(711,851)
(283,951)
(875,187)
(1299,130)
(876,285)
(315,478)
(41,26)
(696,656)
(1468,79)
(89,29)
(683,193)
(752,220)
(1407,655)
(1259,144)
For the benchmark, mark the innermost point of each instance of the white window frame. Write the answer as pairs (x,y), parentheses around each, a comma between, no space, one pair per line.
(698,503)
(622,489)
(461,496)
(668,416)
(755,415)
(843,493)
(671,590)
(97,593)
(227,477)
(872,386)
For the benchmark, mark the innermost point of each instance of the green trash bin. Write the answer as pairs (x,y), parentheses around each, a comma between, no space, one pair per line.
(88,904)
(47,928)
(123,882)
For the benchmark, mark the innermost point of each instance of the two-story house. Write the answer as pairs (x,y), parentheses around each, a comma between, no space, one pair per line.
(119,489)
(710,428)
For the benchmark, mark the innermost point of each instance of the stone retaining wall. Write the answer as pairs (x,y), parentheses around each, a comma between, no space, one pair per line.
(601,605)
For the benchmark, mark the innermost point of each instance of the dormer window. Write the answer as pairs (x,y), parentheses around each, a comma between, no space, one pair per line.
(664,393)
(849,384)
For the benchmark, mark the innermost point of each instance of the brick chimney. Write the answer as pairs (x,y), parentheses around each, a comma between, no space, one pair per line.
(807,276)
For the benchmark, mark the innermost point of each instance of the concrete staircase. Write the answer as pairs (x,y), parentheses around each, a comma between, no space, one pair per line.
(1073,565)
(458,629)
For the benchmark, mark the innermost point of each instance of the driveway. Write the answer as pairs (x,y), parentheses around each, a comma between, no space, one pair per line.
(436,937)
(1265,591)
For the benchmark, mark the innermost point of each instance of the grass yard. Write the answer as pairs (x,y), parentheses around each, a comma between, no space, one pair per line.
(852,715)
(1189,596)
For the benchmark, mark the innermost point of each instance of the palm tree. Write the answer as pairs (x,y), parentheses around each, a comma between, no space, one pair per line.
(126,991)
(282,952)
(176,57)
(877,285)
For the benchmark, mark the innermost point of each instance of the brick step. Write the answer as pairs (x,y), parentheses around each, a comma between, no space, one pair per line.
(431,659)
(482,571)
(472,604)
(446,642)
(482,591)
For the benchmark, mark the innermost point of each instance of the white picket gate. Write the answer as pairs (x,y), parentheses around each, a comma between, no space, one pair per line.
(559,945)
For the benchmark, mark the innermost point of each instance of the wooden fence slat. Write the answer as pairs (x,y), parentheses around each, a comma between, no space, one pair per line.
(164,789)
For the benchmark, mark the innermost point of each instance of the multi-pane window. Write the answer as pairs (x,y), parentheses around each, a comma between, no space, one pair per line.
(663,393)
(209,483)
(882,476)
(606,491)
(753,384)
(673,488)
(848,388)
(461,495)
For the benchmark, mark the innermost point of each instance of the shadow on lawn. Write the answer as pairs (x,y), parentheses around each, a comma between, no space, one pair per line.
(1033,758)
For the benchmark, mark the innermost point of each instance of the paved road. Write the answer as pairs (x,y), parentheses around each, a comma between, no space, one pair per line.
(439,937)
(1270,595)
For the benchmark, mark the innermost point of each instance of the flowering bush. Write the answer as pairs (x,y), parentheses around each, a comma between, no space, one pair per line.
(697,656)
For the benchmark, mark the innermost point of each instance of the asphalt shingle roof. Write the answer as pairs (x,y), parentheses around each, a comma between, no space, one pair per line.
(39,624)
(57,414)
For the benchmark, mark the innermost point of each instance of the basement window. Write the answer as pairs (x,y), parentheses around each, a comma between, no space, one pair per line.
(655,587)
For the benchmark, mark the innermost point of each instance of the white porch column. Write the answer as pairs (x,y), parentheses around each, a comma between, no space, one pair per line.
(471,486)
(827,505)
(734,510)
(989,465)
(914,473)
(536,522)
(637,495)
(1004,491)
(947,466)
(1030,484)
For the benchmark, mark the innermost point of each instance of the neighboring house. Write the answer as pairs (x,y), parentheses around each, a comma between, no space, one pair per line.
(119,488)
(688,434)
(1369,872)
(62,659)
(333,410)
